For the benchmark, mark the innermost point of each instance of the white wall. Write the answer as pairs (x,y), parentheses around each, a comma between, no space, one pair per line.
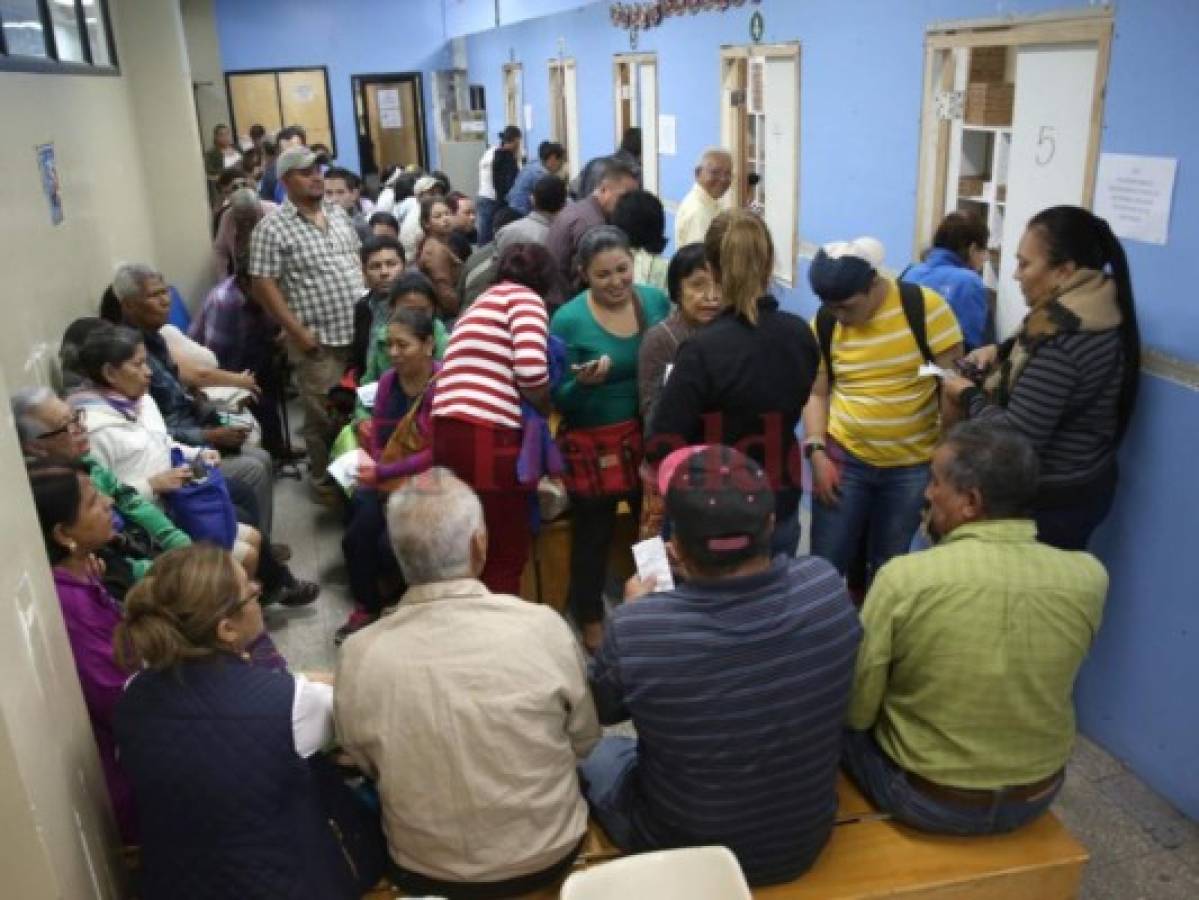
(204,59)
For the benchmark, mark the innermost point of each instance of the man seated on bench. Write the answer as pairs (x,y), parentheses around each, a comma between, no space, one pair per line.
(737,683)
(962,717)
(469,709)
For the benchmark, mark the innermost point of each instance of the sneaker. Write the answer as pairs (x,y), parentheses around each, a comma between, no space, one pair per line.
(298,593)
(358,620)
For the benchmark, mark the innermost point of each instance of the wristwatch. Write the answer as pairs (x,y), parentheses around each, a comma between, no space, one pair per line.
(811,446)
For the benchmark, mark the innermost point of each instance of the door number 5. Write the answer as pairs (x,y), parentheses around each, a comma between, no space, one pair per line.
(1046,145)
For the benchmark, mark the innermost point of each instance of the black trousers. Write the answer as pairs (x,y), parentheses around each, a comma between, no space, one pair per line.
(367,549)
(592,524)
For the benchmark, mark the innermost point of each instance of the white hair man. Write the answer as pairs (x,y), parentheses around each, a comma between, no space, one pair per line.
(713,176)
(469,709)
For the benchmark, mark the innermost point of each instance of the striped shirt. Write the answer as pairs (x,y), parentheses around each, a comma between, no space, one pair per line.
(738,688)
(967,669)
(880,411)
(1065,401)
(496,349)
(318,270)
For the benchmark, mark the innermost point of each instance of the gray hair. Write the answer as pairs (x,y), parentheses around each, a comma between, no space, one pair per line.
(997,461)
(130,280)
(712,153)
(597,240)
(432,520)
(25,404)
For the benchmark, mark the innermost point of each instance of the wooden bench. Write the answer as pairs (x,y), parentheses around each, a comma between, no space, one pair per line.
(869,856)
(546,577)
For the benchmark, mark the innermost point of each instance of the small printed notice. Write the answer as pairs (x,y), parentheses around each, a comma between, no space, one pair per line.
(931,370)
(1134,194)
(666,135)
(344,469)
(303,93)
(389,108)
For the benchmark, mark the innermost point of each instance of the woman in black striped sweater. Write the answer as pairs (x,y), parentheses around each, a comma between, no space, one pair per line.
(1068,379)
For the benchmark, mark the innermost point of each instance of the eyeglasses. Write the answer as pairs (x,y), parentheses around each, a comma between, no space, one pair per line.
(74,423)
(238,605)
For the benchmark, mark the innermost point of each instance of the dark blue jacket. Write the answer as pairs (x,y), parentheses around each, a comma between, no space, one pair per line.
(227,806)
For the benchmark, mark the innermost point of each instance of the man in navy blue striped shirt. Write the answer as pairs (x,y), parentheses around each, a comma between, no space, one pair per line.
(737,682)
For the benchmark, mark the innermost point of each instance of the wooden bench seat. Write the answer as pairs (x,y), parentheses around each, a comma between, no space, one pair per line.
(869,856)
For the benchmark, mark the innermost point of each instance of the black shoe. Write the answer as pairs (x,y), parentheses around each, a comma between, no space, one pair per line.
(298,593)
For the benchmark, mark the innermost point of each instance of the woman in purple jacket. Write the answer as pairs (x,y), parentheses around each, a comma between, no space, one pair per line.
(76,521)
(407,384)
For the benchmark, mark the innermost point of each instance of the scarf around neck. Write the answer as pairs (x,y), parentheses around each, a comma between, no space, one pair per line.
(1086,302)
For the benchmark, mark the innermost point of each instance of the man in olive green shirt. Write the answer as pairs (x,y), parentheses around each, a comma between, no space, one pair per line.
(962,715)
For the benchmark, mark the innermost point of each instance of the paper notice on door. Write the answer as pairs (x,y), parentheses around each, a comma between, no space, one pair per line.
(1134,194)
(389,108)
(666,135)
(303,93)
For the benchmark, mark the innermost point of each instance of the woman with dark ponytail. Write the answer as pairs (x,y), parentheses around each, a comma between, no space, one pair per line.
(1068,379)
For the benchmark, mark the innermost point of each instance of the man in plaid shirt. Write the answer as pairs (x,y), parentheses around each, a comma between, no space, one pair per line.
(307,276)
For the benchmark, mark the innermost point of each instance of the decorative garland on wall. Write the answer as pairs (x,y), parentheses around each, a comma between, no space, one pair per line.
(640,16)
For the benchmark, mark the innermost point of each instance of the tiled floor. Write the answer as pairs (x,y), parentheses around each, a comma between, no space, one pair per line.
(1140,846)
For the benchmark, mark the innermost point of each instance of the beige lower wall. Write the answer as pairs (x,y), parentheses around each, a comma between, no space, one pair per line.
(132,187)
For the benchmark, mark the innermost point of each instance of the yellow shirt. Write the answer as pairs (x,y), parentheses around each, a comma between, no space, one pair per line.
(880,411)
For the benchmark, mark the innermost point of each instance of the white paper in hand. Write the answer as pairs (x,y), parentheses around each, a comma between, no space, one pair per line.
(367,393)
(653,563)
(931,370)
(344,469)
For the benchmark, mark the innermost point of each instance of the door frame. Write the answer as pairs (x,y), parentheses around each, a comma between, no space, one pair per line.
(513,74)
(358,83)
(277,71)
(570,138)
(633,63)
(1090,26)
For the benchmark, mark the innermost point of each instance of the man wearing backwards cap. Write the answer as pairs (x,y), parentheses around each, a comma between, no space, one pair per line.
(737,682)
(307,276)
(871,423)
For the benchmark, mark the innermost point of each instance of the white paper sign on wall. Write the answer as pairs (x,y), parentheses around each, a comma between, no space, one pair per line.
(1134,194)
(666,135)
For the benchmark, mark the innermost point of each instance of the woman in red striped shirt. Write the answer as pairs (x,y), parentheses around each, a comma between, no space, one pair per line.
(497,357)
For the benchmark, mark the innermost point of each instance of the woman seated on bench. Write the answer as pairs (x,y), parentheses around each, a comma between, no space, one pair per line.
(217,749)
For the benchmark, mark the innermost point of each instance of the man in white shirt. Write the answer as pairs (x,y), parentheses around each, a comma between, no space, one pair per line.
(469,709)
(713,176)
(492,190)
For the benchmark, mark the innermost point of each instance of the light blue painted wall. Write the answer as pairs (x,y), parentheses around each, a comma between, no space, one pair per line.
(350,38)
(860,110)
(469,16)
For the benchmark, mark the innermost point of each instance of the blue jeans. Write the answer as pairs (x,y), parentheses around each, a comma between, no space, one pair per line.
(485,209)
(884,502)
(888,786)
(607,784)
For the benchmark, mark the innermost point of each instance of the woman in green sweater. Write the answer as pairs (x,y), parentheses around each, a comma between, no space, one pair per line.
(602,328)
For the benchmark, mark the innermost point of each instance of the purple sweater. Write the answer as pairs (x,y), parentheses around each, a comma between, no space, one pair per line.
(383,425)
(91,617)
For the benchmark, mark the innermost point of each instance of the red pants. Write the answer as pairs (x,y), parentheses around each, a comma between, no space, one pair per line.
(485,458)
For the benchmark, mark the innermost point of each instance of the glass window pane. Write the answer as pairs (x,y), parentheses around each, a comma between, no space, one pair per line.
(66,31)
(22,28)
(97,34)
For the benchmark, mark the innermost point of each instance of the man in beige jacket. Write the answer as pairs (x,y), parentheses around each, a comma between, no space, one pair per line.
(469,709)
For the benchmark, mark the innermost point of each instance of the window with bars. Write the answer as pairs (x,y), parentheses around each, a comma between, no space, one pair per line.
(57,36)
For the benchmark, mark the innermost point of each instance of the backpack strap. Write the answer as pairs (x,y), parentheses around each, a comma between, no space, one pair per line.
(825,323)
(911,297)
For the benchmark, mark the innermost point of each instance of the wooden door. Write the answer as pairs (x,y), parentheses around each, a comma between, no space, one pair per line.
(304,101)
(254,100)
(394,124)
(275,98)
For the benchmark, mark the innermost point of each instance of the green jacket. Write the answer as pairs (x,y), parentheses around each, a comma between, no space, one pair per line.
(135,508)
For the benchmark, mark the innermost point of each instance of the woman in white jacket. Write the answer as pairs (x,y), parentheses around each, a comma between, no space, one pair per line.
(125,427)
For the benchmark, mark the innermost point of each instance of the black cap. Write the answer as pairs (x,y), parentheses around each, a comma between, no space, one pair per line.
(719,502)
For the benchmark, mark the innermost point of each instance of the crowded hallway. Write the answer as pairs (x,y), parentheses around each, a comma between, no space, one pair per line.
(501,478)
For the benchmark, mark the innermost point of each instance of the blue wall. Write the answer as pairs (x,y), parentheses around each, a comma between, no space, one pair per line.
(350,38)
(861,81)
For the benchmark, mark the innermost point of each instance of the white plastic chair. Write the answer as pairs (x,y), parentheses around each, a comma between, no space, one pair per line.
(693,873)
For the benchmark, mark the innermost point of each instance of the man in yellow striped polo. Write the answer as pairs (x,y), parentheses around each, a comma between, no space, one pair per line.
(872,421)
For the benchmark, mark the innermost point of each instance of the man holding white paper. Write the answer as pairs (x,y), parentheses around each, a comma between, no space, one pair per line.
(737,682)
